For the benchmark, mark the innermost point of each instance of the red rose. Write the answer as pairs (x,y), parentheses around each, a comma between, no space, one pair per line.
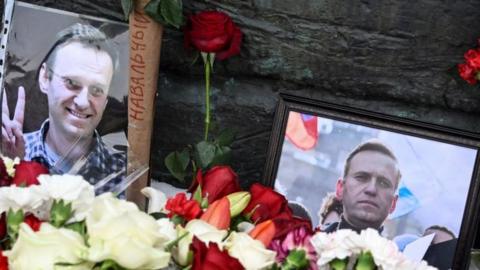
(208,258)
(467,73)
(33,222)
(213,32)
(473,59)
(179,205)
(3,225)
(4,177)
(3,261)
(26,173)
(266,203)
(217,183)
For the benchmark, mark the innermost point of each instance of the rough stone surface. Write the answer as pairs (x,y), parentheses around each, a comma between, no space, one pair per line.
(394,57)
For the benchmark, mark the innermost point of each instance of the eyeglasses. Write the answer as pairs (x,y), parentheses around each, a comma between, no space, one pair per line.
(74,85)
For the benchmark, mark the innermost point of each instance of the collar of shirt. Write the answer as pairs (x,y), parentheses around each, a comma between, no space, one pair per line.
(98,164)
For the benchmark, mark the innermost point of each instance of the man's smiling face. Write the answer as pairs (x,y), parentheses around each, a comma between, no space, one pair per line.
(77,85)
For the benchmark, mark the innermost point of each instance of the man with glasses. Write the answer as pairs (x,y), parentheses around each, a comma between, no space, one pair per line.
(75,75)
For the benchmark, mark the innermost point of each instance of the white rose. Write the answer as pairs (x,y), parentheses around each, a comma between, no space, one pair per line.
(120,232)
(166,231)
(251,253)
(47,247)
(69,188)
(206,232)
(156,199)
(203,231)
(181,250)
(25,198)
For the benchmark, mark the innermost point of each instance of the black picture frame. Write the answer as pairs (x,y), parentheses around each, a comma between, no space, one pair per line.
(404,127)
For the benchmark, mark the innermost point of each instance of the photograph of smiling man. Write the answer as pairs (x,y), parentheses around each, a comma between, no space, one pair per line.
(72,86)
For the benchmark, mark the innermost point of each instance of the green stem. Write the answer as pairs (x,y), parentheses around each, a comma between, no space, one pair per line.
(207,96)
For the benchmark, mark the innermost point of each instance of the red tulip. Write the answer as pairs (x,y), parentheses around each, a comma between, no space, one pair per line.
(264,232)
(218,214)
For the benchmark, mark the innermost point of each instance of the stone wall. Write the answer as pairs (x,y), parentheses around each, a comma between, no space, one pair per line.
(395,57)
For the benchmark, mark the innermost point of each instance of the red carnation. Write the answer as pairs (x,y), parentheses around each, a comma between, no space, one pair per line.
(3,261)
(211,257)
(213,32)
(33,222)
(217,183)
(26,173)
(179,205)
(473,59)
(467,73)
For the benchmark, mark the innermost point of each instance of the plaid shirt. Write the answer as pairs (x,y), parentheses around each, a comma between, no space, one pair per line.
(99,164)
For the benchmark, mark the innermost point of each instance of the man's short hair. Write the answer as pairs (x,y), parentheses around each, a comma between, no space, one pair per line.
(441,228)
(86,35)
(371,145)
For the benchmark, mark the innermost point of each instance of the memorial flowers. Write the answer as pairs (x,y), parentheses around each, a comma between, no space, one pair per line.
(215,36)
(469,70)
(56,222)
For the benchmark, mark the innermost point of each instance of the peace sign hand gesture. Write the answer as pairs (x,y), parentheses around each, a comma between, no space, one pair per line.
(13,144)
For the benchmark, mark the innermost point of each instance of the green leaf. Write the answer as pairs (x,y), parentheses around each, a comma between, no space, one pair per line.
(177,163)
(338,264)
(14,218)
(60,213)
(175,242)
(204,154)
(296,260)
(176,219)
(110,265)
(158,215)
(222,156)
(225,138)
(365,262)
(172,12)
(79,227)
(236,221)
(127,6)
(197,195)
(153,9)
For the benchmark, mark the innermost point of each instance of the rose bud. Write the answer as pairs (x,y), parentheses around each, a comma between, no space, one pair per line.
(264,232)
(218,214)
(238,202)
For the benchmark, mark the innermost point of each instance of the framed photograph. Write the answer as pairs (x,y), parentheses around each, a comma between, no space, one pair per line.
(65,92)
(349,168)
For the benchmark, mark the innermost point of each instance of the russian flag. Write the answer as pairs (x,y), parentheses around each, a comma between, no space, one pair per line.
(302,130)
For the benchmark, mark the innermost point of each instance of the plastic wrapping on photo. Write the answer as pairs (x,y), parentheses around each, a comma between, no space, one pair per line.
(51,103)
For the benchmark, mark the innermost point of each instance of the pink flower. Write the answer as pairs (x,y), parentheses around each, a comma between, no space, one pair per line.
(299,238)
